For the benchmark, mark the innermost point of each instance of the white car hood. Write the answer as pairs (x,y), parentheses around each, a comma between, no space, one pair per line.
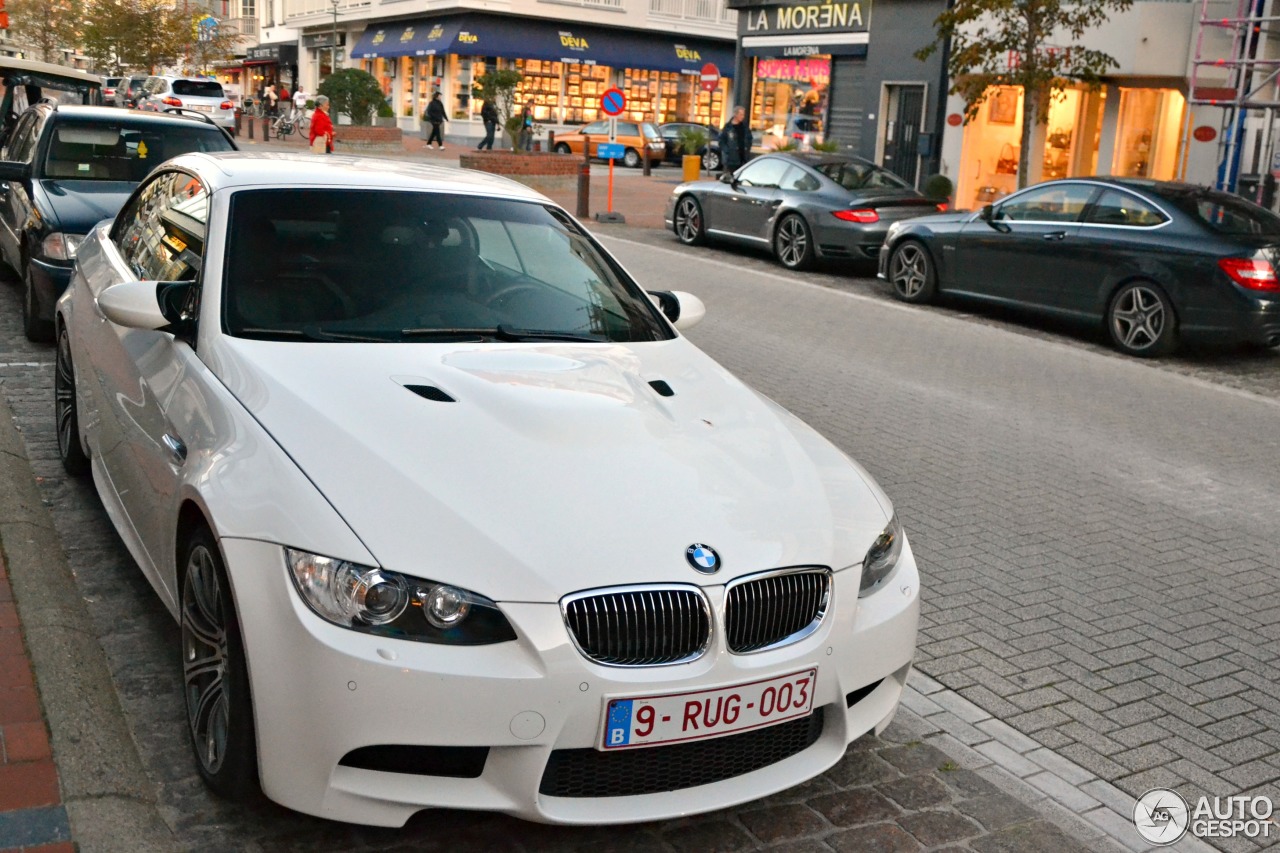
(558,467)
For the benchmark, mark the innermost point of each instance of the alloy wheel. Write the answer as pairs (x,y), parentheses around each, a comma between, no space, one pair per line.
(688,220)
(909,270)
(631,158)
(204,659)
(711,161)
(1138,318)
(792,241)
(64,396)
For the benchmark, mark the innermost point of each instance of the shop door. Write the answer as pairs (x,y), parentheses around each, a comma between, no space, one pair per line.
(845,110)
(902,133)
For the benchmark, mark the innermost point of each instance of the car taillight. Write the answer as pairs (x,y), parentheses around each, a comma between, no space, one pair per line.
(1251,273)
(942,207)
(171,102)
(226,105)
(864,216)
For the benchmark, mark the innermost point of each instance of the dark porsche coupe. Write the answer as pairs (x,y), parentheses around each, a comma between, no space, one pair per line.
(803,206)
(1156,262)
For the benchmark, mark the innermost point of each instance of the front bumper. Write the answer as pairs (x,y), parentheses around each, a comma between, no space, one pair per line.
(320,691)
(48,280)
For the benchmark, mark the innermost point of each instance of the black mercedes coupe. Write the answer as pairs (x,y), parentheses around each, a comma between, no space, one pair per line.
(1156,262)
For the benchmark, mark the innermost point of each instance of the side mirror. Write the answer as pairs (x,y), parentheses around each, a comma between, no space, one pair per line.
(14,171)
(988,213)
(726,178)
(684,310)
(154,305)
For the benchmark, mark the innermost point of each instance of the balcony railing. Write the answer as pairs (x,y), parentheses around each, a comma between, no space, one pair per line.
(245,28)
(306,8)
(594,4)
(694,10)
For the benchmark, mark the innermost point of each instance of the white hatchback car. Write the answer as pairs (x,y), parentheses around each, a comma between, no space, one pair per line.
(451,515)
(193,94)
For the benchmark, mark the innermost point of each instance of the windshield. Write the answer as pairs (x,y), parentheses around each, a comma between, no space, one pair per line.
(1228,214)
(650,131)
(123,150)
(381,265)
(858,176)
(197,88)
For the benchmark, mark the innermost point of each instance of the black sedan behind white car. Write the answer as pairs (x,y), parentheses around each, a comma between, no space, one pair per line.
(452,515)
(803,206)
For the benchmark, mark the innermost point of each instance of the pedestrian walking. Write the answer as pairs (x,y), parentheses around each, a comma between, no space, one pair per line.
(735,141)
(437,118)
(488,115)
(526,126)
(321,127)
(300,100)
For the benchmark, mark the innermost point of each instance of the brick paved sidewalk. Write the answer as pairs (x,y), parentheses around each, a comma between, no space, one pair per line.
(32,817)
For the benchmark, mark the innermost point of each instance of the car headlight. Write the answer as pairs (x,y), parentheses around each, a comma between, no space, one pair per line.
(61,247)
(389,604)
(882,557)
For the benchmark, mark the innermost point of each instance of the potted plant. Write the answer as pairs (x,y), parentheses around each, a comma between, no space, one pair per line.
(386,116)
(938,188)
(692,141)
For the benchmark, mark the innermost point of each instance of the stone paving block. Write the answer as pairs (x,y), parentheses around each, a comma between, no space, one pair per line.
(1118,828)
(1007,735)
(1056,764)
(1033,837)
(933,828)
(960,707)
(1062,792)
(854,807)
(784,822)
(879,838)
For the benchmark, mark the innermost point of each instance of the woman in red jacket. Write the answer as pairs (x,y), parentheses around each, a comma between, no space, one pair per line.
(321,127)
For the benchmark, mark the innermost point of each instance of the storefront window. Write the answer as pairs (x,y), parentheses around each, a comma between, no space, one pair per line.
(1147,141)
(991,149)
(789,96)
(542,82)
(708,107)
(1060,139)
(583,86)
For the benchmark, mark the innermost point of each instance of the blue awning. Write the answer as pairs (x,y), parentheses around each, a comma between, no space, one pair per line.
(534,38)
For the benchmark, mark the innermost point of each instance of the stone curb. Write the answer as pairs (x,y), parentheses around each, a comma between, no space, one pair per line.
(1064,792)
(109,799)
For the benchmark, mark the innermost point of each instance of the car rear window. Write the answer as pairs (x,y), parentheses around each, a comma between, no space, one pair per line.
(857,176)
(1228,214)
(382,265)
(650,131)
(123,150)
(197,88)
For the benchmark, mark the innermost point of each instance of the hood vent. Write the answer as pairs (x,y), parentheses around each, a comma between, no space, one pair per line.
(662,388)
(431,392)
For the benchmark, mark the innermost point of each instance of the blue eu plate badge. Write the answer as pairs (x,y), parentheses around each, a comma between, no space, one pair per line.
(618,729)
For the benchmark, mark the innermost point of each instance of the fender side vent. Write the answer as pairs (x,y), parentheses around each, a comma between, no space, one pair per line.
(458,762)
(662,388)
(431,392)
(861,693)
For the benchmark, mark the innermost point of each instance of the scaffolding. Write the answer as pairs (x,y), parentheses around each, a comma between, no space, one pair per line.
(1241,84)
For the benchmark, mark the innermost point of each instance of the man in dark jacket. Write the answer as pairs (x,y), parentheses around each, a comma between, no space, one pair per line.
(489,115)
(437,118)
(735,141)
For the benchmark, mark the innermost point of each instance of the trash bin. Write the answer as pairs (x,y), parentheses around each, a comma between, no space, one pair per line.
(692,166)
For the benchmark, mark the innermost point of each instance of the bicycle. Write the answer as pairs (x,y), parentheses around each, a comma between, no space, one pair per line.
(253,108)
(284,125)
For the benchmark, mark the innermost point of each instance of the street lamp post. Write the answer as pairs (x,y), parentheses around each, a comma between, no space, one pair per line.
(333,50)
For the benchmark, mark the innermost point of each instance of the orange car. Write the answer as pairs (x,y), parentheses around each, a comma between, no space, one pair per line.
(629,134)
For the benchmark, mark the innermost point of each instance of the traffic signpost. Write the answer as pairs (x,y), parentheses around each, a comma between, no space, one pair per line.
(612,104)
(710,77)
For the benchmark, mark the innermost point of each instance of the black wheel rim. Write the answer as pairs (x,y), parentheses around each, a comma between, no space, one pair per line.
(688,220)
(792,241)
(204,659)
(64,396)
(1138,318)
(909,270)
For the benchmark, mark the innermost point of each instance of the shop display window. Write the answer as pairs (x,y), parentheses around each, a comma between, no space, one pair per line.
(709,107)
(789,95)
(584,84)
(542,82)
(406,106)
(991,149)
(463,71)
(1148,138)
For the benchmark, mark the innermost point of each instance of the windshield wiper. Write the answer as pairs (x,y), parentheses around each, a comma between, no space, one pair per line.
(311,333)
(501,332)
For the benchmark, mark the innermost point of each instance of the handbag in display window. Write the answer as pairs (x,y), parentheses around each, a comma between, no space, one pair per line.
(1008,162)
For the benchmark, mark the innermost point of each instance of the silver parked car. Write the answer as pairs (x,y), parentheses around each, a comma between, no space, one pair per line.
(197,94)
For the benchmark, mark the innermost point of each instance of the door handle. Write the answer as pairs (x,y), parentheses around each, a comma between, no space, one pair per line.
(177,449)
(1055,235)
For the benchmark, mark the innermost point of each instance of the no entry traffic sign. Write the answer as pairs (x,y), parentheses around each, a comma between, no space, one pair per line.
(613,102)
(710,77)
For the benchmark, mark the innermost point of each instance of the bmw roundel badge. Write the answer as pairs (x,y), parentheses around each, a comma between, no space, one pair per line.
(703,558)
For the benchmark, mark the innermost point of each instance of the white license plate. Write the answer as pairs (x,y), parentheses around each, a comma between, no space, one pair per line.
(701,714)
(201,107)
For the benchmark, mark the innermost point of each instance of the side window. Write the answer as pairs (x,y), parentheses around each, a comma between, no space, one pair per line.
(799,180)
(22,143)
(1118,208)
(1054,203)
(766,172)
(596,128)
(161,231)
(628,128)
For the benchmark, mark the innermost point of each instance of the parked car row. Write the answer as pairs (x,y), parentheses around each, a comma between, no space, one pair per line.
(1155,263)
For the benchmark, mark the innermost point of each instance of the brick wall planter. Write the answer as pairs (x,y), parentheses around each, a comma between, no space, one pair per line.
(545,172)
(354,139)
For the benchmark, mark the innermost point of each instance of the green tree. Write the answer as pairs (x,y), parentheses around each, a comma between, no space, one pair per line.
(1020,43)
(498,87)
(47,26)
(354,93)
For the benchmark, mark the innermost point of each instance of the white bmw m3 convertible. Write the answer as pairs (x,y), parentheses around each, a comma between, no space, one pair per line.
(450,513)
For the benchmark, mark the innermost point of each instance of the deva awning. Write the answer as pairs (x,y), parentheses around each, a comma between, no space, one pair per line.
(535,38)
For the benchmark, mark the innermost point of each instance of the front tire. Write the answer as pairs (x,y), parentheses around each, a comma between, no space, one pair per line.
(793,243)
(34,326)
(631,158)
(215,675)
(911,273)
(1141,321)
(690,227)
(65,411)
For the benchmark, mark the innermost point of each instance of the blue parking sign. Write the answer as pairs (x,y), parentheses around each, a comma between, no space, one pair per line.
(610,150)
